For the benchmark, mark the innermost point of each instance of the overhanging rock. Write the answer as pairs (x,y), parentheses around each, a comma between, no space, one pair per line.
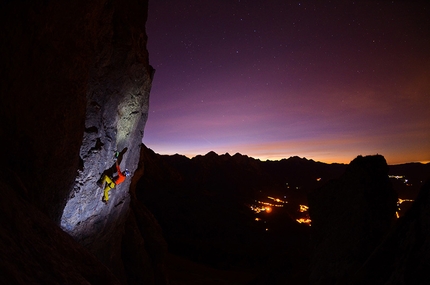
(117,109)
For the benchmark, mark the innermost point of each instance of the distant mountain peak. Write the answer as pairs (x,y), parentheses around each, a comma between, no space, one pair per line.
(211,153)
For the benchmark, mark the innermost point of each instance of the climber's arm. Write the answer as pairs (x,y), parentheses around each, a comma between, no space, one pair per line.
(118,169)
(121,176)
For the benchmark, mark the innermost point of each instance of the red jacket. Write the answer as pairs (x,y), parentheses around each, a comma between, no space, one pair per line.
(121,177)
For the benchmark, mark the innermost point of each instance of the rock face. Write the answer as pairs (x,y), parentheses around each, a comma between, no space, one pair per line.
(46,58)
(350,217)
(75,82)
(117,108)
(34,250)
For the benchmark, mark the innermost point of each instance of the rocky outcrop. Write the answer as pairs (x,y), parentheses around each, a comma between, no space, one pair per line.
(75,82)
(144,249)
(354,238)
(350,217)
(404,256)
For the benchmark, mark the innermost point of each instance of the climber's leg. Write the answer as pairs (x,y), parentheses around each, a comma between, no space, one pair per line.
(108,186)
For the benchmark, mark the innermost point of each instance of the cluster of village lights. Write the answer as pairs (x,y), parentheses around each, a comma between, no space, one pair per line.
(268,207)
(399,202)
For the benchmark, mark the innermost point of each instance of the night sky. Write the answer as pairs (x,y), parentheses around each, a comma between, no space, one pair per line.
(325,80)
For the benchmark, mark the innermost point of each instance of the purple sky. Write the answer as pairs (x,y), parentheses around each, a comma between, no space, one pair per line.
(325,80)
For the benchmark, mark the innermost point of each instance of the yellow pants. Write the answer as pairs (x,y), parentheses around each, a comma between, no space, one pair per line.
(109,185)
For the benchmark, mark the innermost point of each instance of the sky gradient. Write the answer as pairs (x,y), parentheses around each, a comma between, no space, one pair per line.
(326,80)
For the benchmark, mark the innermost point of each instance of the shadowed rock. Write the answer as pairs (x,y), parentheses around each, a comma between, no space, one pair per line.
(404,256)
(34,250)
(350,216)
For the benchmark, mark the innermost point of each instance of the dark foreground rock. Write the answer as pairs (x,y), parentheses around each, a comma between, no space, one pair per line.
(350,217)
(404,256)
(34,250)
(355,240)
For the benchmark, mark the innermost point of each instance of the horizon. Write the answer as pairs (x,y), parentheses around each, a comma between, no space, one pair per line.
(191,156)
(328,81)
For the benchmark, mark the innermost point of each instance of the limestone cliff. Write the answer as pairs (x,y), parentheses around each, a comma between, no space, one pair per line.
(75,82)
(117,107)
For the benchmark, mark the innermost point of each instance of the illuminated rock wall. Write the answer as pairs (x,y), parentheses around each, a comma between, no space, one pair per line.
(117,108)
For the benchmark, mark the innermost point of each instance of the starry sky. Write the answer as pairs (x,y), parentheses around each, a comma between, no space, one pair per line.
(325,80)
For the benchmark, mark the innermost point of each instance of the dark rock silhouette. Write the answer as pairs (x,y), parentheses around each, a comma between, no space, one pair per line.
(404,256)
(75,82)
(350,217)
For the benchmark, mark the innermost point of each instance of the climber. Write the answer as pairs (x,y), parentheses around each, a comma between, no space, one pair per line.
(109,182)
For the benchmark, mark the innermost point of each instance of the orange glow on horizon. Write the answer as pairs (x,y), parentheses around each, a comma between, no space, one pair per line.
(326,150)
(342,158)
